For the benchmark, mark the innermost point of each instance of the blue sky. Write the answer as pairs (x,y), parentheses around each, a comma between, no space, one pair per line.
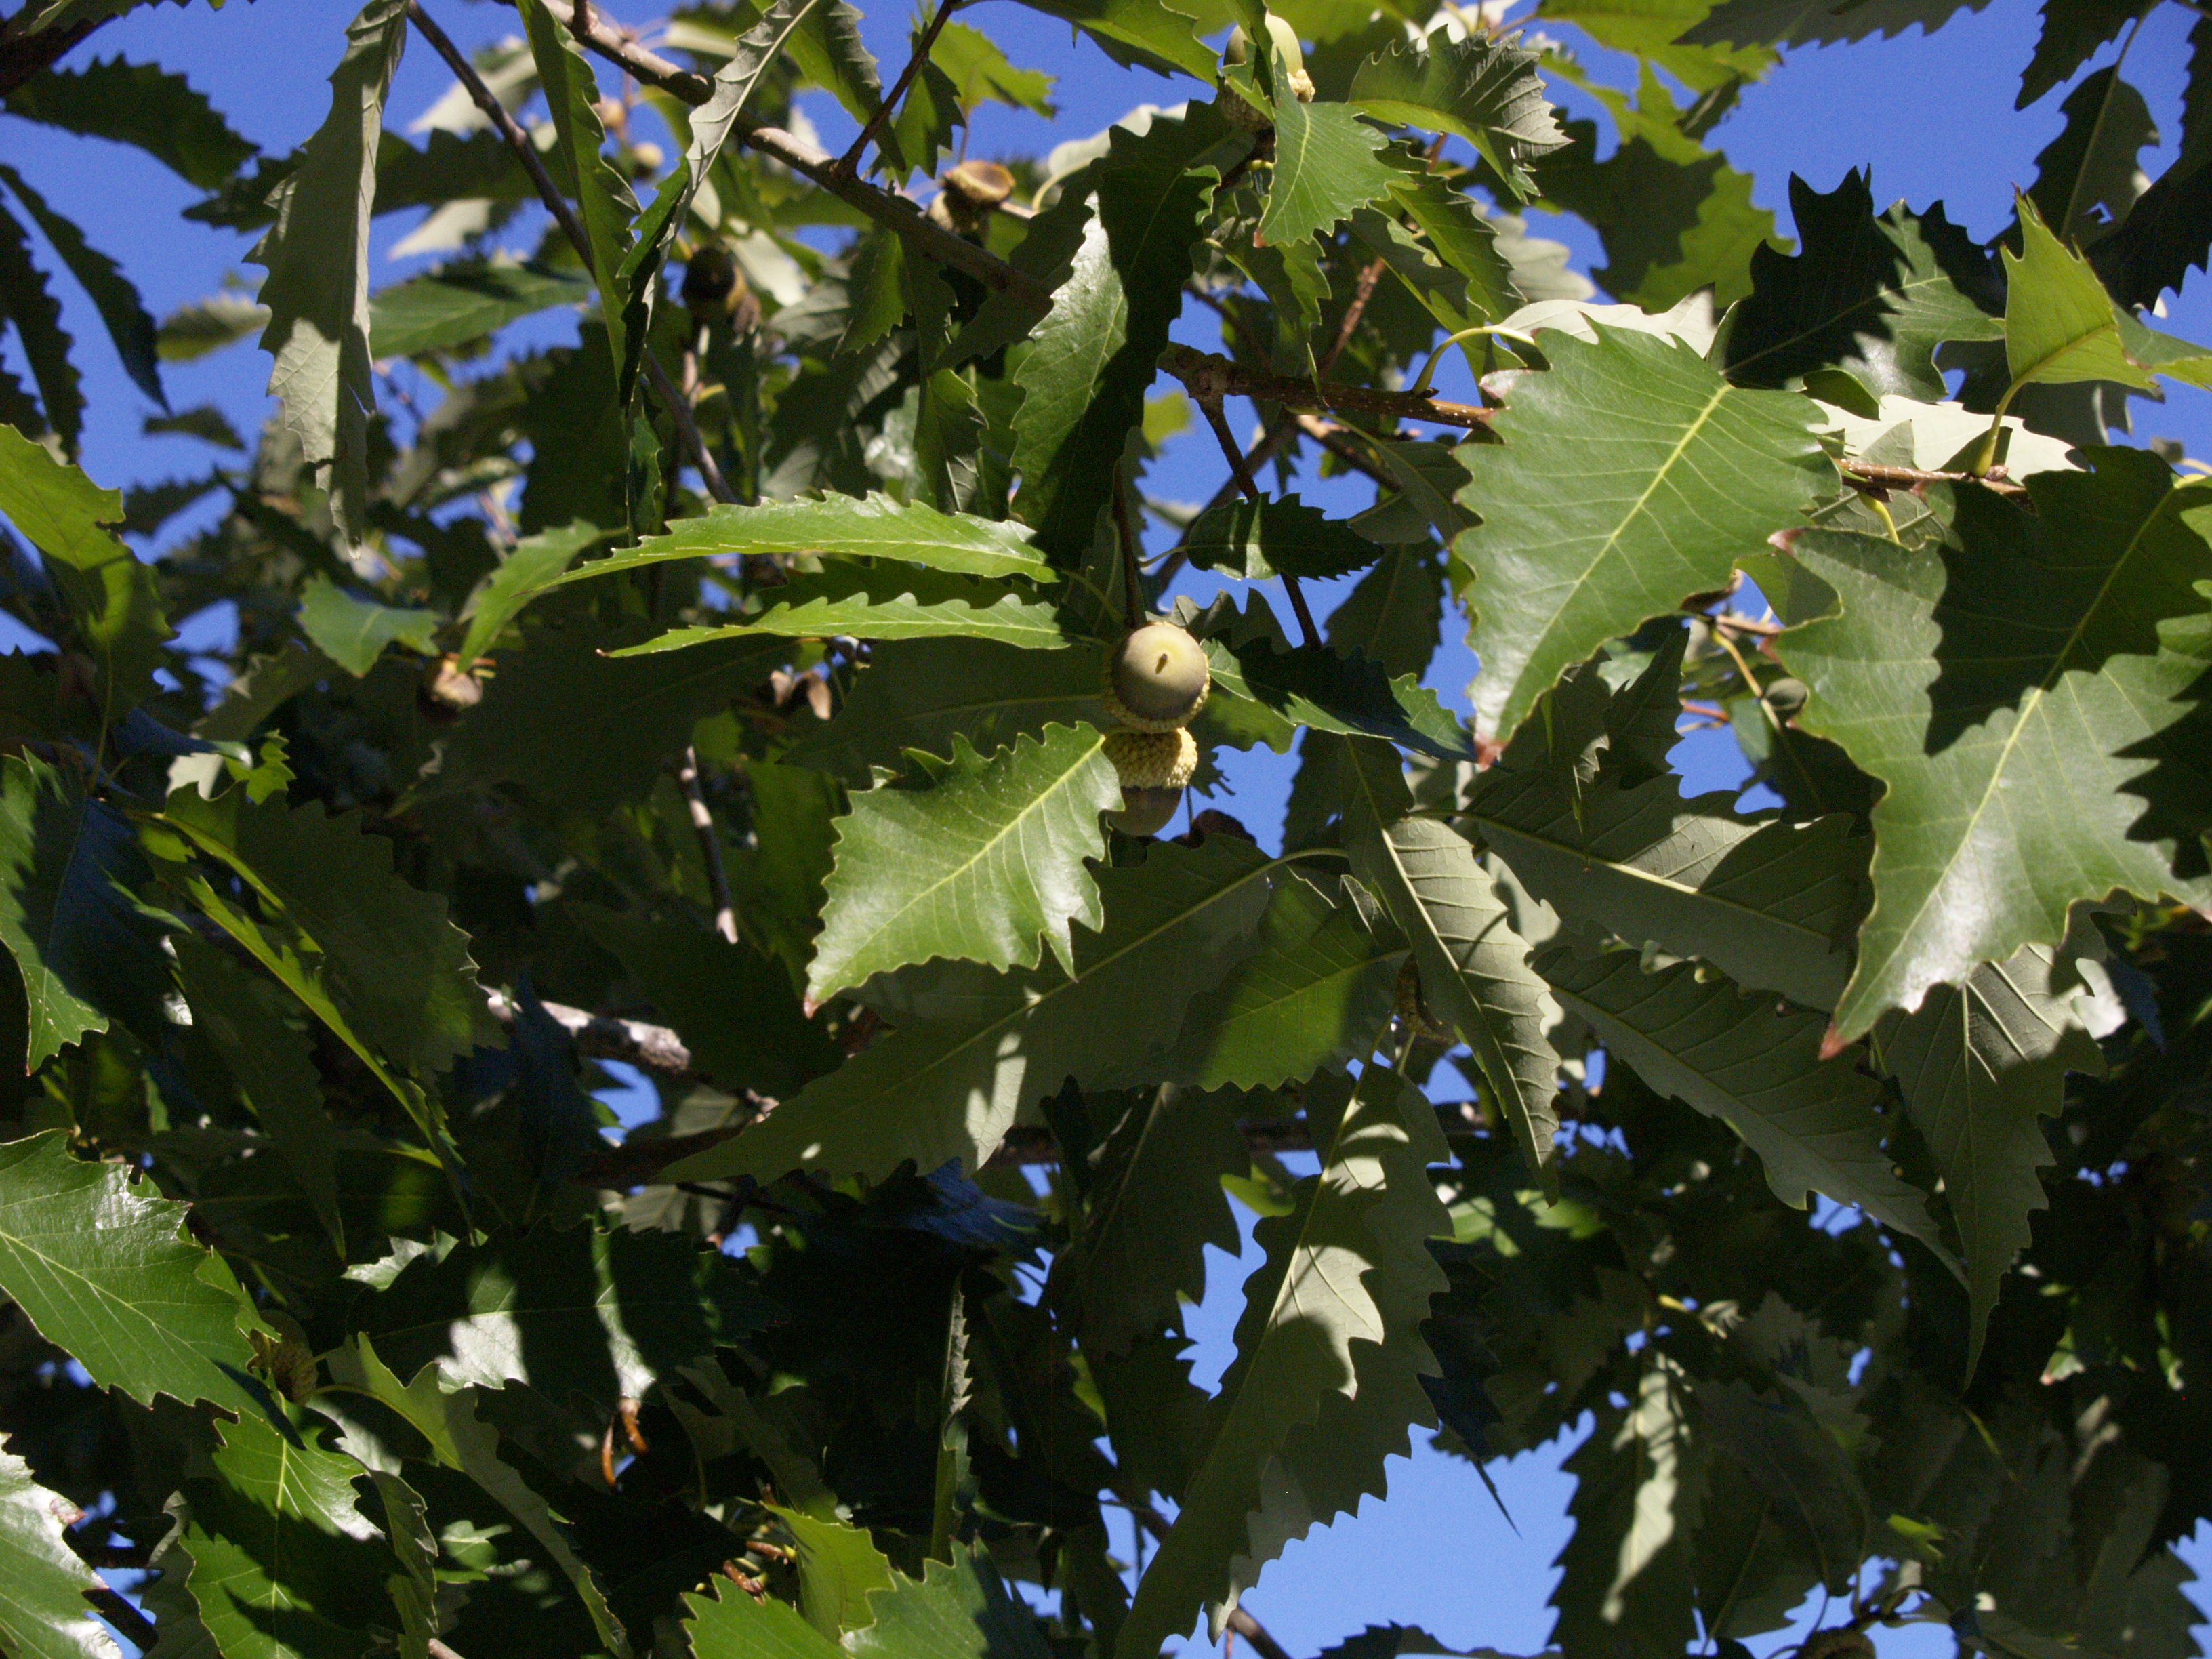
(1932,117)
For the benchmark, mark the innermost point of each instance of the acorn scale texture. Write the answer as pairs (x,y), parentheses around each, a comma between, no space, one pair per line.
(1156,679)
(1152,760)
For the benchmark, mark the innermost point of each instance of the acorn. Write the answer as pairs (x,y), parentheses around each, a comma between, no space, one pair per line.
(1153,768)
(713,288)
(1156,679)
(1237,50)
(972,192)
(1785,696)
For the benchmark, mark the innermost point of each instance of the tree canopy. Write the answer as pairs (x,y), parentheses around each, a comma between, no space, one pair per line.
(682,630)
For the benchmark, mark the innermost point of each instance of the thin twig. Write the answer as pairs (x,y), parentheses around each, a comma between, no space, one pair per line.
(849,163)
(599,1037)
(1133,588)
(893,211)
(670,398)
(1240,472)
(710,845)
(1208,374)
(1872,477)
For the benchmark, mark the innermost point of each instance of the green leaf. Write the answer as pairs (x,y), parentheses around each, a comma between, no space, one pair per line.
(1631,477)
(1872,296)
(734,1008)
(886,602)
(2073,31)
(1821,23)
(1143,32)
(735,1626)
(273,1066)
(1475,88)
(975,860)
(317,254)
(193,330)
(1278,536)
(113,293)
(1771,904)
(530,567)
(593,1312)
(140,103)
(1980,1064)
(2017,697)
(25,301)
(1263,691)
(386,954)
(109,594)
(109,1275)
(43,1612)
(873,526)
(1817,1125)
(1651,30)
(839,1567)
(441,309)
(921,694)
(603,201)
(972,1046)
(459,1440)
(2060,325)
(1094,355)
(1326,1381)
(575,728)
(284,1564)
(2092,164)
(353,632)
(1325,167)
(958,1609)
(979,70)
(1626,1574)
(1675,216)
(68,866)
(1473,967)
(1155,1203)
(1313,995)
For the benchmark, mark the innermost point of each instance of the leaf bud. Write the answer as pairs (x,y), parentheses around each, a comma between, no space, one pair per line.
(1156,679)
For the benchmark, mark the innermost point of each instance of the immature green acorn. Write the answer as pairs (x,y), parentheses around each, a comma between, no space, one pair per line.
(1156,679)
(1154,767)
(1237,50)
(1785,696)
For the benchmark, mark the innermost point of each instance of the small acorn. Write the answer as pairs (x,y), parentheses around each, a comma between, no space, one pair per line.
(714,289)
(1785,696)
(1237,50)
(1153,767)
(972,192)
(1156,679)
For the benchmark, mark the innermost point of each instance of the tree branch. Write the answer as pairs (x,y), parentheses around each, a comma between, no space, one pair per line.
(849,163)
(1208,374)
(710,845)
(600,1036)
(671,399)
(892,211)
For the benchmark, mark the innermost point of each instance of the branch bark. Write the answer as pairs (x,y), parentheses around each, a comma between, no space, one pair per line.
(1209,375)
(671,399)
(895,213)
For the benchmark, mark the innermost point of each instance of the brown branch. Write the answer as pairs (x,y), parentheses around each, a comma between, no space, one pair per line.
(1209,375)
(710,845)
(1331,437)
(670,398)
(892,211)
(1875,479)
(849,163)
(600,1036)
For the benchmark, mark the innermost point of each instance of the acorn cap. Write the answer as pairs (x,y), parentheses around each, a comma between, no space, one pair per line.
(1156,679)
(1152,760)
(1145,811)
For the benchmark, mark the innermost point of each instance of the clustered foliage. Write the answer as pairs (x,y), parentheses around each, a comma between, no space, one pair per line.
(721,693)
